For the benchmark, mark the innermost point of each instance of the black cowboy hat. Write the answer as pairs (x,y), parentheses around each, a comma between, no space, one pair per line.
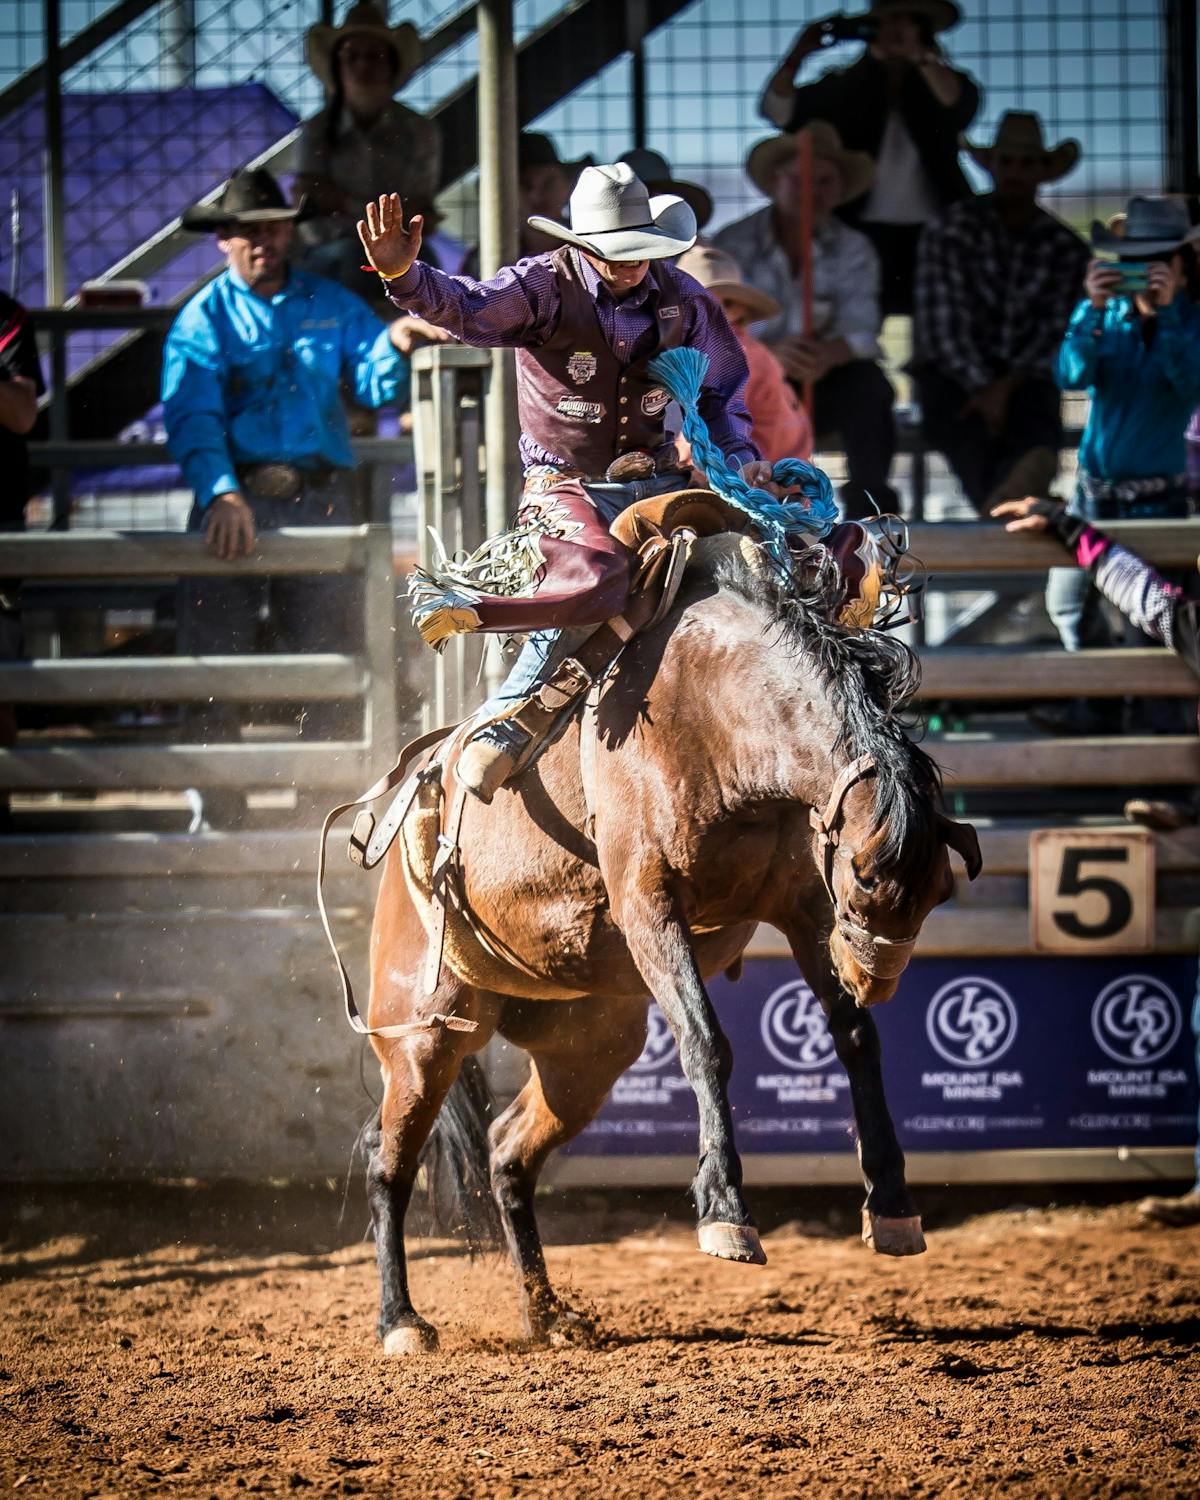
(251,196)
(655,171)
(537,150)
(1152,226)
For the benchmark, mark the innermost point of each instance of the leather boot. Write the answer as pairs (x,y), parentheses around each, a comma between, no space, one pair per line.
(490,757)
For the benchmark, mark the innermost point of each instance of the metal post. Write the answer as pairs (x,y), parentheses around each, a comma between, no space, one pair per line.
(177,35)
(635,33)
(498,238)
(55,213)
(1182,119)
(379,605)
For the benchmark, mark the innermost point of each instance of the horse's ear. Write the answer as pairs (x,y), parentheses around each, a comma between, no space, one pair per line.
(962,838)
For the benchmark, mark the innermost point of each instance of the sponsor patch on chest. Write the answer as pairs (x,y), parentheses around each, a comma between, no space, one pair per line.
(668,312)
(581,411)
(655,402)
(581,366)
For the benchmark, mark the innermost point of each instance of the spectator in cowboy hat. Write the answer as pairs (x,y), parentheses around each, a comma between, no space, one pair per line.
(839,354)
(904,105)
(252,375)
(585,320)
(364,141)
(779,423)
(544,184)
(655,171)
(997,277)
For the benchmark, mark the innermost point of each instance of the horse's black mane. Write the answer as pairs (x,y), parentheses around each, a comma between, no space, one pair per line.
(870,676)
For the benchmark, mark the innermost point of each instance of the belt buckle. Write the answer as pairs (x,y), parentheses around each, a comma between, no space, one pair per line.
(636,464)
(274,481)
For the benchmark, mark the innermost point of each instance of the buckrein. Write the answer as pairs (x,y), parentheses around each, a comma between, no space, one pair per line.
(881,957)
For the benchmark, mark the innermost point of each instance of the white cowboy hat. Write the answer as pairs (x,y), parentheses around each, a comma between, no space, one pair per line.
(1150,226)
(364,19)
(614,217)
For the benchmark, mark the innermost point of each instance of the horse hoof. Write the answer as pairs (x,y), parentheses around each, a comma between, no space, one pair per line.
(733,1242)
(570,1330)
(892,1236)
(410,1338)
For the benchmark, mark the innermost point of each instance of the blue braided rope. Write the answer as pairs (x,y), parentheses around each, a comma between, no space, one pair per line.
(681,373)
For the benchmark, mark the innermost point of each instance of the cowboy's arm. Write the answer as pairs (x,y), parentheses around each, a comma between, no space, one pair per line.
(1155,606)
(194,407)
(944,296)
(375,368)
(517,308)
(722,401)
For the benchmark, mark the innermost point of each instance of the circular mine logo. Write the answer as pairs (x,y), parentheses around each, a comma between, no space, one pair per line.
(1136,1019)
(971,1022)
(794,1029)
(660,1046)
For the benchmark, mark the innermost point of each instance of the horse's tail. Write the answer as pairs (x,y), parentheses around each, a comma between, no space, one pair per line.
(455,1162)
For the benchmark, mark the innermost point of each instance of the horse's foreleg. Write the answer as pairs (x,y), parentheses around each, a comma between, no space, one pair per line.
(661,947)
(578,1050)
(891,1225)
(418,1073)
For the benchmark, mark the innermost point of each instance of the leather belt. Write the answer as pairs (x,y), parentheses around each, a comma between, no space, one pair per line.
(280,481)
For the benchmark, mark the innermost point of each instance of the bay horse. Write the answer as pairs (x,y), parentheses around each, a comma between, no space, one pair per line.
(750,767)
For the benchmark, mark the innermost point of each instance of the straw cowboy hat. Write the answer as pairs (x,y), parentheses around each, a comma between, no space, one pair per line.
(655,172)
(249,197)
(1149,226)
(721,275)
(1020,134)
(941,14)
(857,168)
(614,217)
(363,19)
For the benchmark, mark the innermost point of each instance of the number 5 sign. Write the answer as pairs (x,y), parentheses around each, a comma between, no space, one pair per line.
(1091,890)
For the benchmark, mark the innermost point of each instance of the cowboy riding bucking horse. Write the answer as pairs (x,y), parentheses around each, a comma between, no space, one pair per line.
(587,321)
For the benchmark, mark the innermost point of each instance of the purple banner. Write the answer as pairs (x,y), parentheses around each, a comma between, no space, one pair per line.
(977,1055)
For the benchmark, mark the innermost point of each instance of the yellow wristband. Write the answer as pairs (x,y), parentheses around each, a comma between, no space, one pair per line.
(383,276)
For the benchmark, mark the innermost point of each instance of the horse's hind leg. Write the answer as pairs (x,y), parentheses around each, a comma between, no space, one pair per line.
(418,1072)
(578,1049)
(891,1225)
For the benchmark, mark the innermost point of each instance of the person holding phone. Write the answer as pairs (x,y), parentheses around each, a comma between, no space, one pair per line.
(904,105)
(1133,344)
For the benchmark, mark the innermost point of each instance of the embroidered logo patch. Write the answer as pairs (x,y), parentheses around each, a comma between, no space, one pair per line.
(655,401)
(668,312)
(581,411)
(581,366)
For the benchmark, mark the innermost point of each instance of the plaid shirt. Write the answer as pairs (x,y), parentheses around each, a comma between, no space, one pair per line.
(990,302)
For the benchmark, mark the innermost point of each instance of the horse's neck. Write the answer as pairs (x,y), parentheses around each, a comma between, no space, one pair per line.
(786,735)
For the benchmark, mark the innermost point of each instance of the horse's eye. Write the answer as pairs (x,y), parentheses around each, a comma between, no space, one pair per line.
(864,882)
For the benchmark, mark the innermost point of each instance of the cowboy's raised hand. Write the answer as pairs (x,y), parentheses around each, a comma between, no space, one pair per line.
(390,247)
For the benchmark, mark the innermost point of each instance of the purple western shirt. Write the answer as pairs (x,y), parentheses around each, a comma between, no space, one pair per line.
(519,308)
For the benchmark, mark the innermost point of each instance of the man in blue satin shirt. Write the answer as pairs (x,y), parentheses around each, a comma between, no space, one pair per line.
(253,373)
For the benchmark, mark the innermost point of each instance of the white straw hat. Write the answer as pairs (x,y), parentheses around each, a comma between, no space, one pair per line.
(614,217)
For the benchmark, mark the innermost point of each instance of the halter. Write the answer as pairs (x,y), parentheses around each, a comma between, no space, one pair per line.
(882,958)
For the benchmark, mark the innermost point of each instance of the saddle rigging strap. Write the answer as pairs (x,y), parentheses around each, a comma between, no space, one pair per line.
(385,784)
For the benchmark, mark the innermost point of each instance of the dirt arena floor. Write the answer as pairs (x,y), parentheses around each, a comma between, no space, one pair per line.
(196,1343)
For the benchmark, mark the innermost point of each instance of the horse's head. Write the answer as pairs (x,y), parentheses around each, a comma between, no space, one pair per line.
(883,880)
